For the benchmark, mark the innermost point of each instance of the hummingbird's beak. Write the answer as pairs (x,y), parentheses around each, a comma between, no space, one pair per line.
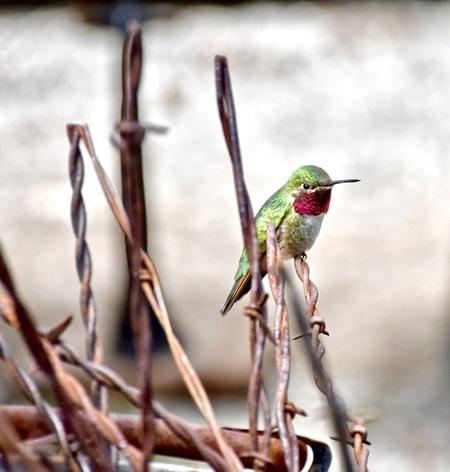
(335,182)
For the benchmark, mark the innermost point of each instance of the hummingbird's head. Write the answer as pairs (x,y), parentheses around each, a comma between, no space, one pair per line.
(309,190)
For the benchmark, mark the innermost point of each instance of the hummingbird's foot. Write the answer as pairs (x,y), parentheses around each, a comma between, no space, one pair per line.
(303,256)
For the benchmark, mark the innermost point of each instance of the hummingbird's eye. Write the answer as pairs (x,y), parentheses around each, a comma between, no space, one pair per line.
(306,186)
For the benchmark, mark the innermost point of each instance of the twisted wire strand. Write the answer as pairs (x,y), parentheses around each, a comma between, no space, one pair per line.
(83,260)
(285,410)
(357,435)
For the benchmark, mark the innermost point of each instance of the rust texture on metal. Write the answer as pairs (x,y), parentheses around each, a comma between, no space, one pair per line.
(80,429)
(314,326)
(257,394)
(133,197)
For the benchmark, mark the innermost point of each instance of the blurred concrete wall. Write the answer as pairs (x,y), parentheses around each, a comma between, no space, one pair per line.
(360,89)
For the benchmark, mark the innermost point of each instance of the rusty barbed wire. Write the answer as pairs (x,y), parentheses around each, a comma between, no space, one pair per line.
(10,445)
(184,431)
(189,434)
(284,410)
(90,425)
(108,378)
(30,425)
(94,348)
(112,380)
(31,391)
(153,291)
(257,394)
(133,197)
(78,214)
(357,435)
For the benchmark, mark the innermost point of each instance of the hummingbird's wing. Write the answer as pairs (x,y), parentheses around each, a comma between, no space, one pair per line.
(241,287)
(276,208)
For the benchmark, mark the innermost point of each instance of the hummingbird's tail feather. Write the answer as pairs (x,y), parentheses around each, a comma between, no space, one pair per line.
(242,285)
(240,288)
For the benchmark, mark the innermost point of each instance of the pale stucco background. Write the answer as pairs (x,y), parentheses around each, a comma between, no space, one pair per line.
(361,89)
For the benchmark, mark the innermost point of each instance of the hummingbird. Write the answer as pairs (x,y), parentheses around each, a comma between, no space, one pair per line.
(297,210)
